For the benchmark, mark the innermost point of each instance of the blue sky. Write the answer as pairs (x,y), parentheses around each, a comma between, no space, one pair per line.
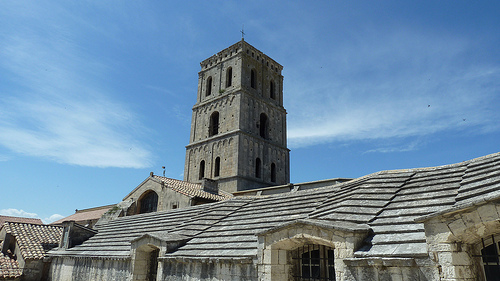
(95,95)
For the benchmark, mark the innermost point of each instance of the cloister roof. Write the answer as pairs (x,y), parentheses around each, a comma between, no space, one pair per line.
(388,202)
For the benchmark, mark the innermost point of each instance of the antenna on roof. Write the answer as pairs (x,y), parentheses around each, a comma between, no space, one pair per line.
(163,167)
(242,32)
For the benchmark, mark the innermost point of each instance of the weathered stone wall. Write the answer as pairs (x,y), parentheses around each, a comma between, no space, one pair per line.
(205,270)
(391,269)
(455,240)
(86,269)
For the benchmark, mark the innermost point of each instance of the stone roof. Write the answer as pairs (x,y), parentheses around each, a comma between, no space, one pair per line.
(19,219)
(85,215)
(388,202)
(34,240)
(9,267)
(192,189)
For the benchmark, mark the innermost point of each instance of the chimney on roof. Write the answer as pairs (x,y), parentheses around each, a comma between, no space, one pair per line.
(151,174)
(210,186)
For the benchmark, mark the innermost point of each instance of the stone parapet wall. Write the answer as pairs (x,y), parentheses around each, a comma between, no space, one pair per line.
(85,269)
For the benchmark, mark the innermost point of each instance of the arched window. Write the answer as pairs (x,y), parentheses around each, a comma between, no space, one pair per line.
(273,172)
(253,77)
(490,258)
(217,167)
(257,168)
(314,262)
(263,125)
(214,124)
(149,202)
(272,94)
(202,170)
(209,86)
(229,77)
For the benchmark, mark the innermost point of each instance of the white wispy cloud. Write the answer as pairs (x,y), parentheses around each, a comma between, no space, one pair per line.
(24,214)
(395,86)
(54,106)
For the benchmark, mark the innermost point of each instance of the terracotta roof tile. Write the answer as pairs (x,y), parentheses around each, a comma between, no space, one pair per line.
(19,219)
(9,268)
(34,240)
(192,189)
(85,215)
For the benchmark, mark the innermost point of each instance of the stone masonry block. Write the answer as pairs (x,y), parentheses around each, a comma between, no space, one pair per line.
(488,213)
(457,227)
(471,219)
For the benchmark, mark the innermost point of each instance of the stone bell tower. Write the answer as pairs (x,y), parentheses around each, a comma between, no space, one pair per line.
(238,127)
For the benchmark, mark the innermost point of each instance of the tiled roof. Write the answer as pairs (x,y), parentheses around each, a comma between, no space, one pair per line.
(9,267)
(192,189)
(85,215)
(34,240)
(388,202)
(19,219)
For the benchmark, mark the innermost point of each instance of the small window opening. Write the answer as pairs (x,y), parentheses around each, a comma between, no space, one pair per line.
(273,172)
(257,167)
(263,126)
(214,124)
(202,170)
(209,86)
(252,79)
(229,77)
(314,262)
(217,167)
(271,90)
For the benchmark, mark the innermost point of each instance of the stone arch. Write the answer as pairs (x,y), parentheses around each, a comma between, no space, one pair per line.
(279,244)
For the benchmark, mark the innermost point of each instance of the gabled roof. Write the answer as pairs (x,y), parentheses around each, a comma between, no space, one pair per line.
(34,240)
(388,202)
(9,267)
(192,189)
(85,214)
(19,219)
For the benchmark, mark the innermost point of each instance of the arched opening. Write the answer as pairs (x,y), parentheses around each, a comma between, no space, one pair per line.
(148,202)
(273,172)
(214,124)
(208,91)
(217,167)
(201,175)
(146,263)
(263,124)
(272,93)
(253,77)
(229,76)
(257,167)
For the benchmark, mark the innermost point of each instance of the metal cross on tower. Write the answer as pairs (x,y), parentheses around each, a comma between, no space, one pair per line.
(242,32)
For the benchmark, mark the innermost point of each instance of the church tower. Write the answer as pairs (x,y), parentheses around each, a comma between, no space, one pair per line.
(238,127)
